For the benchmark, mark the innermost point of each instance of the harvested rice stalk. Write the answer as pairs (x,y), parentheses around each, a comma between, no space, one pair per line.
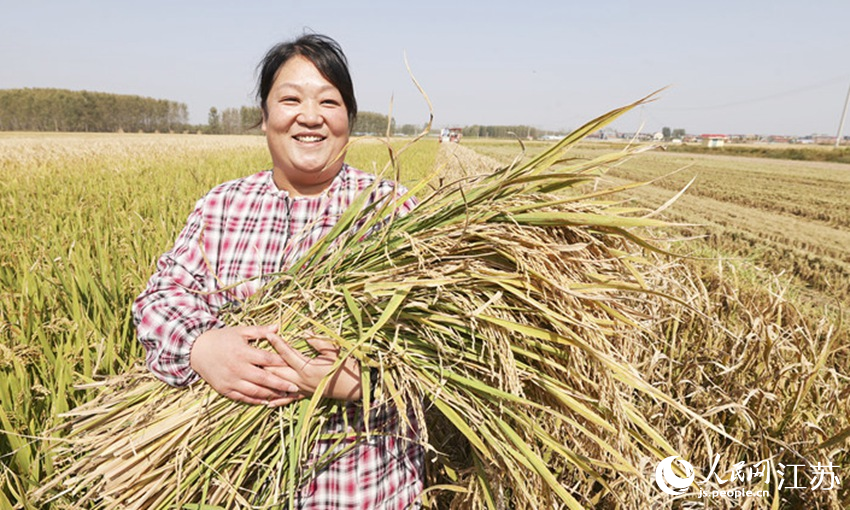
(496,309)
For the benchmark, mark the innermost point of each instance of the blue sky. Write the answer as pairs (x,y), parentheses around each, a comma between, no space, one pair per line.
(754,66)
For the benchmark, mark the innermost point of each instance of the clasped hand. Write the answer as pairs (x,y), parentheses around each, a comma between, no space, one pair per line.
(226,359)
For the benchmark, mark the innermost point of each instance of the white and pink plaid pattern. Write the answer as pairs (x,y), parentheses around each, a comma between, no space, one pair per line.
(250,229)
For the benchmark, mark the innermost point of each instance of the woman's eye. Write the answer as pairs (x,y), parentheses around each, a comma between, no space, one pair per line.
(330,102)
(289,100)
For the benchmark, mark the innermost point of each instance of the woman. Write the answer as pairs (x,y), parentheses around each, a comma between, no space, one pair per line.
(258,225)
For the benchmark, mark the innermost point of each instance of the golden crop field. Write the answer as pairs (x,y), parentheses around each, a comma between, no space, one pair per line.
(759,352)
(83,219)
(787,218)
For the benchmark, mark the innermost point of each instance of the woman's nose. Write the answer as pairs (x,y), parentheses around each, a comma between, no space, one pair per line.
(310,114)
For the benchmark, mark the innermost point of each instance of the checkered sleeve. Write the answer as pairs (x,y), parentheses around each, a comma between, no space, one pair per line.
(173,310)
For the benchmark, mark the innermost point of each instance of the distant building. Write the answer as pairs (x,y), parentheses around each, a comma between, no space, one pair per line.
(712,140)
(739,138)
(643,137)
(779,139)
(823,139)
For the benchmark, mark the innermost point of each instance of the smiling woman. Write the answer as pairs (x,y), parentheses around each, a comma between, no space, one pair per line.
(306,125)
(308,104)
(244,232)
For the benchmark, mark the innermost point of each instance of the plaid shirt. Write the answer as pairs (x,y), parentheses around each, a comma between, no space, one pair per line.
(249,228)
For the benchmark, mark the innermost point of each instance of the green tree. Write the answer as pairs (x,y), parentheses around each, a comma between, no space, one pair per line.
(213,121)
(251,118)
(408,130)
(515,131)
(371,123)
(67,110)
(231,122)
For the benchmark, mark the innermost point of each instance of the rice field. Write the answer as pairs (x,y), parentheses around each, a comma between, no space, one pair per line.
(779,217)
(760,351)
(83,219)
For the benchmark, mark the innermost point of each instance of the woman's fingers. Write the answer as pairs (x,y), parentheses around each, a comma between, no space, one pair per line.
(309,372)
(322,345)
(256,332)
(273,400)
(263,357)
(290,355)
(273,380)
(286,400)
(245,399)
(226,360)
(261,392)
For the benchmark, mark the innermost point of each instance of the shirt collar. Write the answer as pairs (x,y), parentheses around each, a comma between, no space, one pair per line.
(337,183)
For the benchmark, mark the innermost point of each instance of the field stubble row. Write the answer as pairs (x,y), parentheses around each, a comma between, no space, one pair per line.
(790,217)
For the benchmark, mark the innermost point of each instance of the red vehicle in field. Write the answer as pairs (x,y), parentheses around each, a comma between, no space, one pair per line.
(451,135)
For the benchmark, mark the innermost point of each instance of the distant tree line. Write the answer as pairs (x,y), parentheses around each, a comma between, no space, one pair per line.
(233,121)
(477,131)
(371,123)
(67,110)
(36,109)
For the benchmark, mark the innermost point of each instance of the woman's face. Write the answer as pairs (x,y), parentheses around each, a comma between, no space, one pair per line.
(306,126)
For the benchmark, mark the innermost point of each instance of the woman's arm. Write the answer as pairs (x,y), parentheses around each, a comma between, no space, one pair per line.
(174,310)
(176,322)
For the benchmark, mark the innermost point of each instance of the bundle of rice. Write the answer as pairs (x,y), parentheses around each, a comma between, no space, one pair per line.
(493,314)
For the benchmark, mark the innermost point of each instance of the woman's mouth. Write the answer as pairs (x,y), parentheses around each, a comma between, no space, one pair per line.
(309,138)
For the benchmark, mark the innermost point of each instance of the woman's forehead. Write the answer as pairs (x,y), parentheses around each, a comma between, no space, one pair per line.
(299,72)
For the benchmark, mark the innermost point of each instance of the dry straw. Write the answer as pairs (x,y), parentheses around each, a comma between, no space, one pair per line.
(496,314)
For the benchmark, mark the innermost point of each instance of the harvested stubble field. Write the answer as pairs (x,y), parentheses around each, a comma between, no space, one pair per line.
(84,217)
(789,218)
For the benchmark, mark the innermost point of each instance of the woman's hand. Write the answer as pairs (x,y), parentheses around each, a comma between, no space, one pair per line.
(226,360)
(307,372)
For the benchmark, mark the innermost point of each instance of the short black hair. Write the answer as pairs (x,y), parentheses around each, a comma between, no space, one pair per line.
(325,53)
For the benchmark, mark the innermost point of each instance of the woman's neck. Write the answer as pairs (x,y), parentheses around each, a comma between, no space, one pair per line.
(309,189)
